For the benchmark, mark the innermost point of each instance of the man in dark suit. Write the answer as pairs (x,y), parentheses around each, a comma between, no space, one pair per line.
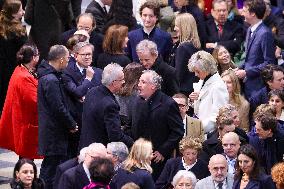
(221,31)
(260,48)
(86,22)
(100,120)
(55,121)
(149,13)
(99,9)
(79,176)
(78,78)
(147,52)
(156,117)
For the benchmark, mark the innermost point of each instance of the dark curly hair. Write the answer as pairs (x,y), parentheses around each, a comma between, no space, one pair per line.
(101,170)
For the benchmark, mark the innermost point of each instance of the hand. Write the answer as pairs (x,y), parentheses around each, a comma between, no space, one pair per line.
(278,52)
(74,130)
(210,45)
(157,157)
(240,73)
(194,96)
(90,73)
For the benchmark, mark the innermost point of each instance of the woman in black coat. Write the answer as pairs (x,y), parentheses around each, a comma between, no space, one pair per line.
(248,174)
(12,37)
(189,148)
(188,43)
(115,40)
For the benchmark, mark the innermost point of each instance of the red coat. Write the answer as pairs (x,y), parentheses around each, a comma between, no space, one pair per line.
(19,120)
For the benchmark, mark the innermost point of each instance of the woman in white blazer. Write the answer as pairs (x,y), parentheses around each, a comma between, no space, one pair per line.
(212,93)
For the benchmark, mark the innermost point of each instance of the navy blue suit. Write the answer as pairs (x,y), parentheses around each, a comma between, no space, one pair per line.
(101,122)
(161,38)
(173,165)
(74,178)
(263,182)
(260,51)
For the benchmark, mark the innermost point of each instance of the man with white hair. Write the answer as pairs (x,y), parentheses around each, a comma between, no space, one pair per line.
(100,120)
(220,178)
(118,152)
(79,176)
(156,117)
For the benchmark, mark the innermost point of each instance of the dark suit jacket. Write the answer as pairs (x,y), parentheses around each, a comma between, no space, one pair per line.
(170,84)
(263,182)
(260,51)
(96,39)
(74,178)
(62,168)
(200,169)
(101,122)
(99,14)
(106,58)
(185,77)
(161,38)
(231,38)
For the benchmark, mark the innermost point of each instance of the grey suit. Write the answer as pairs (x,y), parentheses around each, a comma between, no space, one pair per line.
(209,184)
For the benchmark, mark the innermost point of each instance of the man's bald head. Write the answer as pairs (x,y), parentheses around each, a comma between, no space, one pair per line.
(231,144)
(218,167)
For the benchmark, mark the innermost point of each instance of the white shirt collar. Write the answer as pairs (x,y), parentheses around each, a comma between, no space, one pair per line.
(87,171)
(224,184)
(187,167)
(231,164)
(80,67)
(253,28)
(102,5)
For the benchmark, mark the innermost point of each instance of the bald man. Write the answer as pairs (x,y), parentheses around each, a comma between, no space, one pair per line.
(231,145)
(219,178)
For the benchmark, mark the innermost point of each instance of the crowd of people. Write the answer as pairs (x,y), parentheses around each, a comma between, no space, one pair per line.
(171,96)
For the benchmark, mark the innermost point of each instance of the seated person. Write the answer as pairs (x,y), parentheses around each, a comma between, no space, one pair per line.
(184,178)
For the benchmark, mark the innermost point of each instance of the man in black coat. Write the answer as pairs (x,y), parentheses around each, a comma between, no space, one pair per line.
(100,12)
(79,176)
(78,78)
(221,31)
(55,121)
(156,117)
(100,120)
(148,55)
(86,22)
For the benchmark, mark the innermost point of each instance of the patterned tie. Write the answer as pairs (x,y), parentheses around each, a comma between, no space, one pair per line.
(84,72)
(220,30)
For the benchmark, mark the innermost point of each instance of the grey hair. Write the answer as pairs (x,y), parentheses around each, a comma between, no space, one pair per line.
(118,149)
(147,45)
(95,147)
(80,45)
(155,78)
(184,174)
(56,52)
(82,155)
(204,61)
(111,72)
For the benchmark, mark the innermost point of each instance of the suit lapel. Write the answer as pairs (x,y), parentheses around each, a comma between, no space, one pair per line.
(252,37)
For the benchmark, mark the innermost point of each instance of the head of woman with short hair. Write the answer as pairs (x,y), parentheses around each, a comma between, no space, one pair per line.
(223,58)
(277,173)
(101,172)
(132,73)
(115,39)
(184,179)
(276,99)
(231,111)
(25,175)
(10,19)
(203,64)
(190,148)
(264,109)
(225,124)
(186,29)
(140,156)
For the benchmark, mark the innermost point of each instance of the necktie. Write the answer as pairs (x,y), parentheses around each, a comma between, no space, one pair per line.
(220,30)
(84,72)
(105,10)
(220,185)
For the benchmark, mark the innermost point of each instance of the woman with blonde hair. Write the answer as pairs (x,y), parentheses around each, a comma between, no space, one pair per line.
(235,97)
(136,168)
(188,43)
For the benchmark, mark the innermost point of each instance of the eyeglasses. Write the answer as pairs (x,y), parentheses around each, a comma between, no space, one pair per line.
(85,55)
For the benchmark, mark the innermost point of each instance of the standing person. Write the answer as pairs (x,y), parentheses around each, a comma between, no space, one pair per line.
(137,167)
(259,47)
(48,19)
(248,174)
(19,120)
(115,40)
(12,37)
(188,44)
(100,120)
(213,93)
(183,179)
(149,13)
(156,117)
(55,121)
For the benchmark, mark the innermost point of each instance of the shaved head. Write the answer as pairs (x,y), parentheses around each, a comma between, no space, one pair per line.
(231,144)
(218,167)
